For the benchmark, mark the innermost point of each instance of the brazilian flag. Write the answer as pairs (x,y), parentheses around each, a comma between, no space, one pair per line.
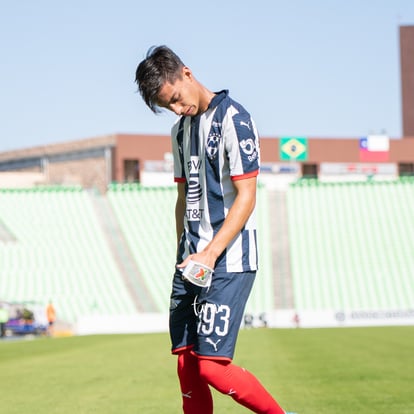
(293,148)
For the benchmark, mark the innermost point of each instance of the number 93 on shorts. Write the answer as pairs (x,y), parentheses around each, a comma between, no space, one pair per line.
(208,319)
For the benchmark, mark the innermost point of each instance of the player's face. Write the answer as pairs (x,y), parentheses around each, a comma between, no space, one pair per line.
(182,96)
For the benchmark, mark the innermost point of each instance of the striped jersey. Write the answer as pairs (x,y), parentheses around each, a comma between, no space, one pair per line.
(210,151)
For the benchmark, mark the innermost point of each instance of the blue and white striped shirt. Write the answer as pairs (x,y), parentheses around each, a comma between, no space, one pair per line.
(210,151)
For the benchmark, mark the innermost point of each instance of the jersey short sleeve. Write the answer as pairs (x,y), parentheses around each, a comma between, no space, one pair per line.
(242,145)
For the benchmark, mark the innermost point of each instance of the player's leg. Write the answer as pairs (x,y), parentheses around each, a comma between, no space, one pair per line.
(195,391)
(196,394)
(240,384)
(220,309)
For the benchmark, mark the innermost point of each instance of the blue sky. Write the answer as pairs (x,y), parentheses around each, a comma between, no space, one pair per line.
(313,68)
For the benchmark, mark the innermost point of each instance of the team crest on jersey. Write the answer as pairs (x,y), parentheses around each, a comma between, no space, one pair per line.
(212,144)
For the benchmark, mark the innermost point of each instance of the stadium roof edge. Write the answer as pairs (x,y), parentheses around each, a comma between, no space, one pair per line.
(59,148)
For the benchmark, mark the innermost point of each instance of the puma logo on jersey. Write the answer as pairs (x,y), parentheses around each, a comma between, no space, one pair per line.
(246,124)
(210,341)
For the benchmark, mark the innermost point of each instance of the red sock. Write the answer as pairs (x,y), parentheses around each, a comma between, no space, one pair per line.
(195,391)
(240,384)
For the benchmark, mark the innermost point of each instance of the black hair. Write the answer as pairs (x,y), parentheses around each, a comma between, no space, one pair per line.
(160,65)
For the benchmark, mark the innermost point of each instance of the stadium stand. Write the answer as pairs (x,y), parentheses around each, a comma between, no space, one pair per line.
(113,255)
(58,243)
(58,253)
(350,244)
(146,218)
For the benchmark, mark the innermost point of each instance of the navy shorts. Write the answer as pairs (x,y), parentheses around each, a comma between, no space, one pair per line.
(207,320)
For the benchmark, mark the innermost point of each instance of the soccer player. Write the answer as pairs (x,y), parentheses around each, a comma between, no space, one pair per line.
(216,163)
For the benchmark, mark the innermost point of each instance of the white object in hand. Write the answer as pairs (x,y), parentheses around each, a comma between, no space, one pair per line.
(198,274)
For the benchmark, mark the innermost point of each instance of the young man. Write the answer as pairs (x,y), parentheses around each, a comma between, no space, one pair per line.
(216,163)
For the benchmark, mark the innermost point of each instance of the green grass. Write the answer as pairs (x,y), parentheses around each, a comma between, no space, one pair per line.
(310,371)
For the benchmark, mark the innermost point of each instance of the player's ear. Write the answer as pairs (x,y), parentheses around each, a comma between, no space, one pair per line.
(187,74)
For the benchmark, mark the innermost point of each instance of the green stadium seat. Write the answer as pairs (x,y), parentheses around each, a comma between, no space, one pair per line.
(60,254)
(350,245)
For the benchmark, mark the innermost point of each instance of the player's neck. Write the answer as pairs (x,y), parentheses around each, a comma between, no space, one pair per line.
(205,98)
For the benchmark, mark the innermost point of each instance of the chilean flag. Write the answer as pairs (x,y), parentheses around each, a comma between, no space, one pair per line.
(374,148)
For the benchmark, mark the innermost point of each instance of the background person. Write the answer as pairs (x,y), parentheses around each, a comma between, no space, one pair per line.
(4,318)
(51,317)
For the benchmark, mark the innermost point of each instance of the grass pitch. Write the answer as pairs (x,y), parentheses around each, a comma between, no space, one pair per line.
(309,371)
